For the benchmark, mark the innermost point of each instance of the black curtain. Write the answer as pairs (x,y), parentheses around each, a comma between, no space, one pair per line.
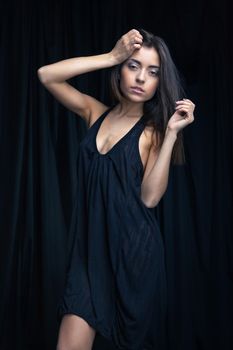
(39,141)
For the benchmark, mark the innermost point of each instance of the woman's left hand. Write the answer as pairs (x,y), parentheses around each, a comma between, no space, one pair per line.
(182,116)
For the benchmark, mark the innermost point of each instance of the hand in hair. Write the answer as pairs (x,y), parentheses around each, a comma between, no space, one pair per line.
(126,45)
(182,116)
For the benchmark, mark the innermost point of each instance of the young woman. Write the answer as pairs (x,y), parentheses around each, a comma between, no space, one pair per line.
(116,281)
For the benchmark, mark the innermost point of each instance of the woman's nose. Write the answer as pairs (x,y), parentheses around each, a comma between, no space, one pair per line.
(140,76)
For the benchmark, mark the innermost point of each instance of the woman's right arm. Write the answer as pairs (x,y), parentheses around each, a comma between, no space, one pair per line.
(54,76)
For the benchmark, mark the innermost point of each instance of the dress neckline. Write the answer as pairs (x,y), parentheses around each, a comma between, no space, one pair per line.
(101,118)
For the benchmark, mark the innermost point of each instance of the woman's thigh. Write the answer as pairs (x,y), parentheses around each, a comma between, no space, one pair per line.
(75,334)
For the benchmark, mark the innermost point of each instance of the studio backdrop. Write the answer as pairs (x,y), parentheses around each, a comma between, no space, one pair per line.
(39,142)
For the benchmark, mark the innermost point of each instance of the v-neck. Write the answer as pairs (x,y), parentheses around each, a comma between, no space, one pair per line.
(101,119)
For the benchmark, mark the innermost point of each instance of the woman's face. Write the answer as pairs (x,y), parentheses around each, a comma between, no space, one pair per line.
(139,75)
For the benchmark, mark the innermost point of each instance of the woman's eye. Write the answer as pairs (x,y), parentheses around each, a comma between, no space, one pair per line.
(133,66)
(155,72)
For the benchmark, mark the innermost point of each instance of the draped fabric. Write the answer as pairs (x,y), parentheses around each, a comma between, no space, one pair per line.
(116,277)
(39,142)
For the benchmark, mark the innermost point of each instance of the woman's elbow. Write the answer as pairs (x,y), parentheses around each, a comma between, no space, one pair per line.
(42,74)
(149,201)
(152,203)
(152,200)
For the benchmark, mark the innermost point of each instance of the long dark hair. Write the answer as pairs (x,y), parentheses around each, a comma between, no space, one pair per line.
(160,107)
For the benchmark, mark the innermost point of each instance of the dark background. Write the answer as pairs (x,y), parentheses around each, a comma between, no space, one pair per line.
(39,142)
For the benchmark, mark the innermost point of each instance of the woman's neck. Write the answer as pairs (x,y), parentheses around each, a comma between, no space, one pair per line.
(129,109)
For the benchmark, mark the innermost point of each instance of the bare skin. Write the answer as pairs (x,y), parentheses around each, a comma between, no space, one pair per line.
(75,334)
(138,70)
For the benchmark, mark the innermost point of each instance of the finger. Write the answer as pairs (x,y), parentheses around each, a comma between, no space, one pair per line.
(135,34)
(188,117)
(136,43)
(188,107)
(134,31)
(135,39)
(183,106)
(140,39)
(186,100)
(184,110)
(183,101)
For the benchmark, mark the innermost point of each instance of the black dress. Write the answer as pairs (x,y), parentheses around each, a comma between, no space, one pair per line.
(116,276)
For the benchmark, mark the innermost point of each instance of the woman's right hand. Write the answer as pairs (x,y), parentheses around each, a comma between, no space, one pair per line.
(126,45)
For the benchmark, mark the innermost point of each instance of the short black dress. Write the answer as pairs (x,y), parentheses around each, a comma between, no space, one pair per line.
(116,277)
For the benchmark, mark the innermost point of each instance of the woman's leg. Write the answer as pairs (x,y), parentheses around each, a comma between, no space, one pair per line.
(75,334)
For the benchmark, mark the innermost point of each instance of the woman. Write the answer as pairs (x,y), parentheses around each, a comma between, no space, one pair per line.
(116,282)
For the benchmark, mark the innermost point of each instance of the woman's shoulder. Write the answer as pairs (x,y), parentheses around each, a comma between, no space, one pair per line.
(151,136)
(148,146)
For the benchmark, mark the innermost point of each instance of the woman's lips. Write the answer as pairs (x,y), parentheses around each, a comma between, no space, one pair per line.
(137,90)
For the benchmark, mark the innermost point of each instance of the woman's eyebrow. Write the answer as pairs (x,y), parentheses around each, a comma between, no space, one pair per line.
(138,62)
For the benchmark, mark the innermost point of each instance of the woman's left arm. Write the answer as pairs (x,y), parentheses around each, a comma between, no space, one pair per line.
(156,174)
